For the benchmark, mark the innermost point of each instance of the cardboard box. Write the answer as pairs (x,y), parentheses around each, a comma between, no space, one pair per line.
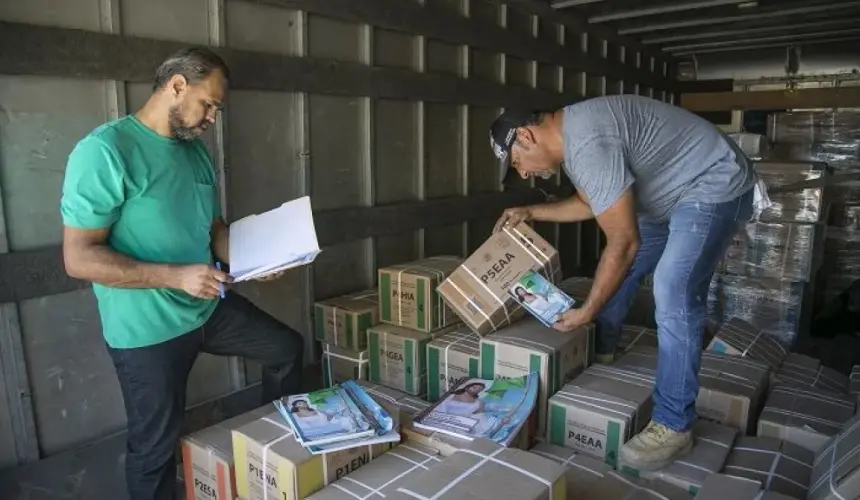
(740,338)
(383,476)
(614,485)
(478,290)
(487,471)
(398,357)
(636,336)
(836,471)
(639,359)
(723,487)
(641,312)
(731,390)
(854,380)
(408,295)
(343,321)
(804,416)
(582,471)
(267,456)
(207,458)
(451,357)
(780,466)
(599,411)
(340,365)
(529,346)
(712,445)
(808,371)
(403,407)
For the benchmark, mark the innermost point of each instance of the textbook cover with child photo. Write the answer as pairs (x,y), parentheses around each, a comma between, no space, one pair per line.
(540,297)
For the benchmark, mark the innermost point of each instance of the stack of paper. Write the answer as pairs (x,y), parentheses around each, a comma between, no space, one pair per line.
(273,241)
(340,417)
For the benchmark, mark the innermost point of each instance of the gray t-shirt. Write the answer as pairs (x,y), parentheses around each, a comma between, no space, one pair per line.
(668,154)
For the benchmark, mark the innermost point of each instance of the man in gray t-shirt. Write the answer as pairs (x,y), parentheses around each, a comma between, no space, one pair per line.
(669,190)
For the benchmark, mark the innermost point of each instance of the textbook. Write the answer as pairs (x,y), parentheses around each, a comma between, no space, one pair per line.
(481,408)
(273,241)
(540,297)
(326,419)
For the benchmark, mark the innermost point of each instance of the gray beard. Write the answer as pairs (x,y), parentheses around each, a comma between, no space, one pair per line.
(179,130)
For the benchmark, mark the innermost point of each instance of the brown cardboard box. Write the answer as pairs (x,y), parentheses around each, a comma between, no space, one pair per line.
(487,471)
(398,356)
(836,471)
(740,338)
(639,359)
(712,445)
(397,403)
(529,346)
(408,296)
(614,485)
(854,383)
(723,487)
(599,411)
(641,311)
(451,357)
(207,458)
(478,290)
(582,471)
(343,321)
(780,466)
(803,415)
(267,456)
(731,390)
(636,336)
(340,365)
(807,371)
(383,476)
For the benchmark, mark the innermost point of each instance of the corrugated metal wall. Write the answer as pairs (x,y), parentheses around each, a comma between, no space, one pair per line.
(58,390)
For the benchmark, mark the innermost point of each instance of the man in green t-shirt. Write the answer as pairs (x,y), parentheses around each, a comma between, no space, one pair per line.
(142,222)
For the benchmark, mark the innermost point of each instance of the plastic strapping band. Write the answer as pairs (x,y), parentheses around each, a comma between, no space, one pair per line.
(567,462)
(490,292)
(265,452)
(636,488)
(832,468)
(376,491)
(471,301)
(447,347)
(772,471)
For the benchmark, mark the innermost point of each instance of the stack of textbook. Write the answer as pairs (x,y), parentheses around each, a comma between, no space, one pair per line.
(337,418)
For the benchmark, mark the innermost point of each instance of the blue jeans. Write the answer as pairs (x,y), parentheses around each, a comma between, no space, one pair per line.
(683,254)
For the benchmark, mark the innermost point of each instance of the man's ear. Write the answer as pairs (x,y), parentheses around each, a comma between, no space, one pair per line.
(177,85)
(525,137)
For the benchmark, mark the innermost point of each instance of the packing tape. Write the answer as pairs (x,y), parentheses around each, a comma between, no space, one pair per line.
(822,398)
(778,457)
(440,275)
(587,400)
(567,462)
(484,459)
(487,289)
(265,453)
(373,492)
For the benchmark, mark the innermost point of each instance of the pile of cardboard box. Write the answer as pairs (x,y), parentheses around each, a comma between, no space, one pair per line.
(433,322)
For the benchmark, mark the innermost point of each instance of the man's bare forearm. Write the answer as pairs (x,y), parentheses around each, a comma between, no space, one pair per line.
(100,264)
(572,209)
(611,271)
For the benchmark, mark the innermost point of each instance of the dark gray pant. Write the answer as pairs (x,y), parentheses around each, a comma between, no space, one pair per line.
(153,381)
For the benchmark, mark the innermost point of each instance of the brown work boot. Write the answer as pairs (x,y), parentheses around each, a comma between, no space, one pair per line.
(656,447)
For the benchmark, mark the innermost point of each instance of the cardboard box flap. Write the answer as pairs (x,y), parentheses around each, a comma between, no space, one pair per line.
(487,471)
(747,340)
(615,485)
(837,465)
(461,340)
(535,336)
(804,407)
(798,368)
(582,470)
(366,300)
(781,466)
(218,439)
(381,476)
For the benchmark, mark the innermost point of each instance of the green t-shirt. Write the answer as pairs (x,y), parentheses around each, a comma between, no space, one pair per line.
(159,197)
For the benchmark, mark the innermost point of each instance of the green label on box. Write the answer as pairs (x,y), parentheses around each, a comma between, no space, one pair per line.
(374,358)
(385,297)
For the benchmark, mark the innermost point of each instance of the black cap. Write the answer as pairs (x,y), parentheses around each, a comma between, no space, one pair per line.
(503,133)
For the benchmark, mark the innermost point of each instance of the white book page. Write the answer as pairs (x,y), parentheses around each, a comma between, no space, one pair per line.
(272,241)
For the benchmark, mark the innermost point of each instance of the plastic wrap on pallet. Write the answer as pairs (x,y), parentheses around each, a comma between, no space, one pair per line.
(755,146)
(845,216)
(808,205)
(773,305)
(842,258)
(832,137)
(781,250)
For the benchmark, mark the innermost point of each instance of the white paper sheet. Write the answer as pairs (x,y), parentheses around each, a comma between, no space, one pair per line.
(272,241)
